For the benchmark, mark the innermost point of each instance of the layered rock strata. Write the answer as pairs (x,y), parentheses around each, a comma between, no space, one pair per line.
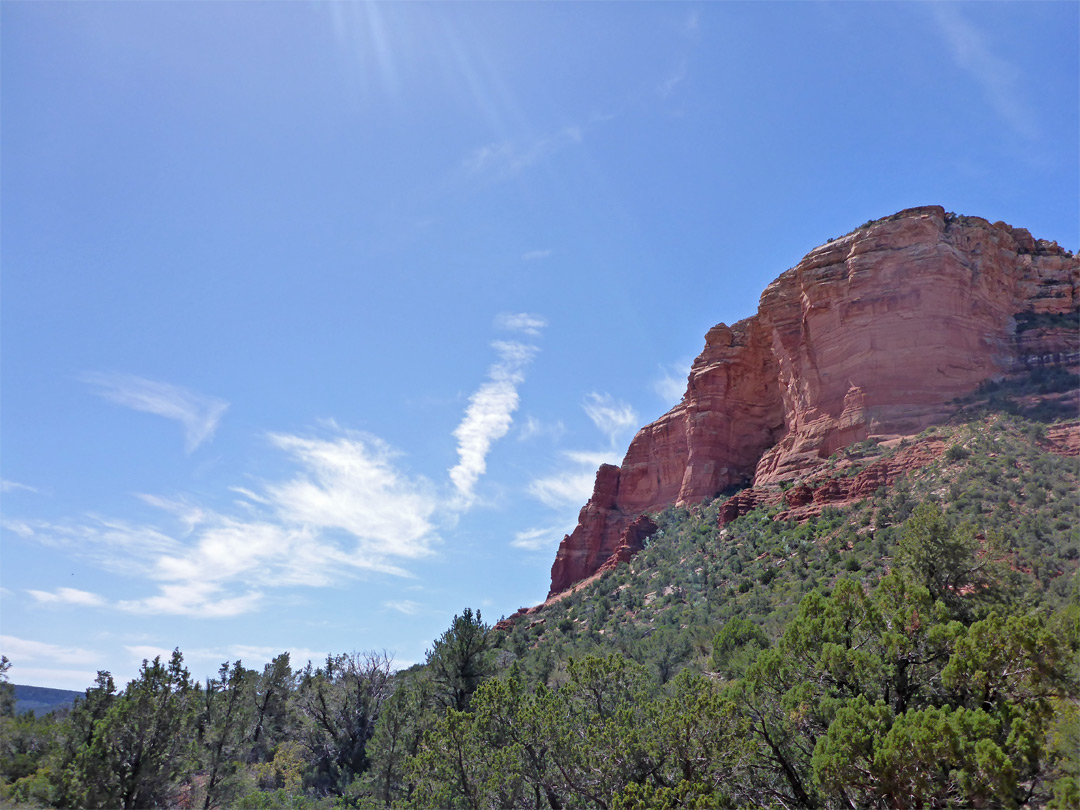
(872,335)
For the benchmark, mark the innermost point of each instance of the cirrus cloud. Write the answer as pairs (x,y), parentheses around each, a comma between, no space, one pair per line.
(197,413)
(489,416)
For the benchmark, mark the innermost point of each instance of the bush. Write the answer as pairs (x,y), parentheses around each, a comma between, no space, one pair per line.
(956,453)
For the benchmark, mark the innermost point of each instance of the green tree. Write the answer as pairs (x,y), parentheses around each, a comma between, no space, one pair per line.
(225,730)
(337,706)
(736,646)
(950,563)
(272,691)
(461,659)
(138,749)
(7,691)
(405,717)
(606,729)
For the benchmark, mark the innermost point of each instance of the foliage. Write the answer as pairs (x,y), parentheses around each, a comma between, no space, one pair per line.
(336,707)
(139,745)
(917,648)
(460,659)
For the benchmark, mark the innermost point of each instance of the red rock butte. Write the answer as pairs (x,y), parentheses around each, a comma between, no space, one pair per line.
(872,335)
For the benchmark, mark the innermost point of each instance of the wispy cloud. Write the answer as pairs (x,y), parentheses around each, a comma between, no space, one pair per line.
(564,489)
(520,322)
(114,545)
(148,652)
(540,539)
(350,483)
(197,413)
(190,514)
(691,23)
(489,415)
(999,78)
(671,384)
(502,160)
(193,599)
(20,650)
(536,255)
(74,679)
(253,656)
(534,427)
(406,606)
(68,596)
(346,510)
(14,486)
(677,76)
(19,527)
(573,484)
(611,417)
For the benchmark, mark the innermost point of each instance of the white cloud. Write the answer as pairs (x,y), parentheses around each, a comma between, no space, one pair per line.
(250,496)
(75,679)
(520,322)
(199,414)
(540,539)
(611,417)
(671,385)
(114,545)
(194,599)
(535,255)
(145,652)
(254,657)
(667,87)
(489,415)
(191,515)
(210,658)
(20,527)
(563,489)
(592,459)
(68,596)
(351,484)
(534,427)
(13,486)
(346,510)
(572,485)
(406,606)
(20,649)
(502,160)
(999,78)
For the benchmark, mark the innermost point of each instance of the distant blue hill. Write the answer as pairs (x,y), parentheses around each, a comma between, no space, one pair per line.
(41,700)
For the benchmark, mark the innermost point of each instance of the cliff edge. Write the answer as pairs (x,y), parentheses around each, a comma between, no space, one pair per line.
(872,335)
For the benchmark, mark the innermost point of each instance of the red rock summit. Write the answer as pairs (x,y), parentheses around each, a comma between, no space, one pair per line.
(872,335)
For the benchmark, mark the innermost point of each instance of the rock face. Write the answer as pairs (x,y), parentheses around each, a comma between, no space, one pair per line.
(872,335)
(817,491)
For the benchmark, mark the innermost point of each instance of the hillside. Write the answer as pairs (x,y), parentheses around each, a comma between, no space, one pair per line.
(42,699)
(754,555)
(873,336)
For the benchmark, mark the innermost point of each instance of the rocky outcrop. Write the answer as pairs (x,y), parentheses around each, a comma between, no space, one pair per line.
(1063,439)
(822,489)
(872,335)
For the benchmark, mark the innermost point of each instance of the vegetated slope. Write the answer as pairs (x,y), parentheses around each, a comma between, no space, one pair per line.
(42,699)
(1013,479)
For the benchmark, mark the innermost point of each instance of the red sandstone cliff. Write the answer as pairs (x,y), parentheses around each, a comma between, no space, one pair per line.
(871,335)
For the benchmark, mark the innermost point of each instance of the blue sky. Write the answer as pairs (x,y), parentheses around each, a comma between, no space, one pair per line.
(317,318)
